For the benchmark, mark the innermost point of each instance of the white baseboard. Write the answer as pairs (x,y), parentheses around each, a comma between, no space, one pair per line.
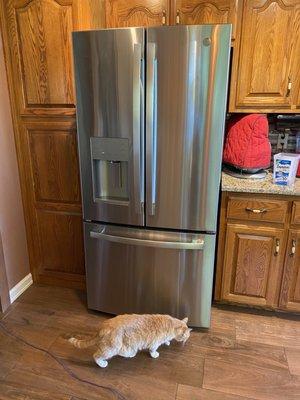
(20,287)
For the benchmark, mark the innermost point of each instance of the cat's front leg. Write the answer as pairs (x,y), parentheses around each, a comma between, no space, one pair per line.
(101,363)
(153,352)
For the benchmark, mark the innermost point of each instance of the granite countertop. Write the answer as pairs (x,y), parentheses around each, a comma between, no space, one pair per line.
(232,184)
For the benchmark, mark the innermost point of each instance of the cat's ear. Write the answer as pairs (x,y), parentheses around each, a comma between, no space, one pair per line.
(185,320)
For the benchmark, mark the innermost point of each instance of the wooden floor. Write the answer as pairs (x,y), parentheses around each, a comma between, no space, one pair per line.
(243,356)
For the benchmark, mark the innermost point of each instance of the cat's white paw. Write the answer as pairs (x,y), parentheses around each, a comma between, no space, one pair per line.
(102,363)
(167,343)
(131,355)
(154,354)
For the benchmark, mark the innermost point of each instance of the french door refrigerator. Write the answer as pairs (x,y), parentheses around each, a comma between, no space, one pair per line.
(151,108)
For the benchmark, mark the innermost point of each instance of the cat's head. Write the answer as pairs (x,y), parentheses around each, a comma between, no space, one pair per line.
(182,331)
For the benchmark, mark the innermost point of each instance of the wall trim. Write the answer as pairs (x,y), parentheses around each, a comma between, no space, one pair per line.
(20,287)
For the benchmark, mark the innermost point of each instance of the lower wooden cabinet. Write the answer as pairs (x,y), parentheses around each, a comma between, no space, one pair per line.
(290,289)
(252,265)
(258,260)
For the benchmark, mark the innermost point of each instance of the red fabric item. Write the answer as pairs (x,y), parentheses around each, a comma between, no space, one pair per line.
(247,142)
(298,171)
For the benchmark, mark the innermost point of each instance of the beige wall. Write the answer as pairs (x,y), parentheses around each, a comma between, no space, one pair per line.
(12,225)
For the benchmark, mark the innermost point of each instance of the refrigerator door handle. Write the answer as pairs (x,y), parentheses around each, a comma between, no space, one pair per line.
(151,126)
(138,140)
(194,245)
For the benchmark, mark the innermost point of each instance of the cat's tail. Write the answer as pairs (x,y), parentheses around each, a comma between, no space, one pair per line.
(84,343)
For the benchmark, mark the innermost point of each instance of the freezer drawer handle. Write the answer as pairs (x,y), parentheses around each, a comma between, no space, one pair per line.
(195,245)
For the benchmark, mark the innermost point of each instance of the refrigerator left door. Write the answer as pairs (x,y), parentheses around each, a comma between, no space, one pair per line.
(109,75)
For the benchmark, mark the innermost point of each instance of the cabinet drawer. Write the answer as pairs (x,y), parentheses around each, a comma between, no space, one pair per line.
(296,213)
(257,209)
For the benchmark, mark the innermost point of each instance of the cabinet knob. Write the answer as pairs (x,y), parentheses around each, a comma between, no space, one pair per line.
(164,19)
(177,17)
(277,247)
(293,250)
(256,210)
(289,87)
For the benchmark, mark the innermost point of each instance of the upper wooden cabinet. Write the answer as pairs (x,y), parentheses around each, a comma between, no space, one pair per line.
(40,39)
(205,12)
(123,13)
(266,63)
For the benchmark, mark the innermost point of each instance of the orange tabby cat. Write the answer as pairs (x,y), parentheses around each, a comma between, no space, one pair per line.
(125,335)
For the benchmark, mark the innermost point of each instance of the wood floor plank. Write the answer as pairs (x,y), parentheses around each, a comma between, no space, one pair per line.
(273,330)
(56,381)
(293,358)
(18,392)
(191,393)
(7,358)
(243,380)
(253,354)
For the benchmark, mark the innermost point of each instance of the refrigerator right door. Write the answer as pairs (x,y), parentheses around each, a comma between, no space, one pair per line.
(186,93)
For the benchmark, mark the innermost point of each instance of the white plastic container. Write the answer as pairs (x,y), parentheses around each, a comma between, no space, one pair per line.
(285,168)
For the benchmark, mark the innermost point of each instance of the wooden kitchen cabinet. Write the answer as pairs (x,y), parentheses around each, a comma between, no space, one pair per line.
(252,264)
(258,260)
(193,12)
(290,289)
(38,49)
(125,13)
(265,74)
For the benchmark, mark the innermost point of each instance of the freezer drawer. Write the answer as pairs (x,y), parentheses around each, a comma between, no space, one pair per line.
(143,271)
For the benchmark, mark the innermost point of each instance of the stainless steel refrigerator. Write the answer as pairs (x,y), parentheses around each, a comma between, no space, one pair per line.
(151,108)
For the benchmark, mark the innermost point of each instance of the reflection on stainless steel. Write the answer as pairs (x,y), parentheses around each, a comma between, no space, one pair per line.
(127,278)
(150,144)
(191,105)
(109,72)
(147,238)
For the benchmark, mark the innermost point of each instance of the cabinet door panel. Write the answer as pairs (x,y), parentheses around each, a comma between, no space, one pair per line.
(55,165)
(125,13)
(205,12)
(295,90)
(39,35)
(44,30)
(51,184)
(252,265)
(37,43)
(262,71)
(290,289)
(61,243)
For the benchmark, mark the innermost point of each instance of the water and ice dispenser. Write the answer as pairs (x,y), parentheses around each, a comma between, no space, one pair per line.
(110,169)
